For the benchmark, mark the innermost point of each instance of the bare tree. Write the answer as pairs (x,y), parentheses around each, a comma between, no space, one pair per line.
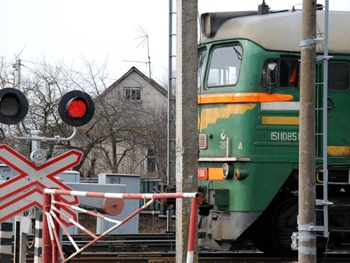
(119,139)
(127,132)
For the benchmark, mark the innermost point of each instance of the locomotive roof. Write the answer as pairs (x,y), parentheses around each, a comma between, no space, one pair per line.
(282,30)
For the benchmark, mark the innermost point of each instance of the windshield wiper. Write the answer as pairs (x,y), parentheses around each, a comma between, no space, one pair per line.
(239,55)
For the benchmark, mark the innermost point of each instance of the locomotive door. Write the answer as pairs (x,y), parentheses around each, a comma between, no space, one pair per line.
(338,108)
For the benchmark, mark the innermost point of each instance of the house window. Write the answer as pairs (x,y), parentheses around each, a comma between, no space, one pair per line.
(133,94)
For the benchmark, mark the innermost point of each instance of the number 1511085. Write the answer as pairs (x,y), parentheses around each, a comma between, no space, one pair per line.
(284,136)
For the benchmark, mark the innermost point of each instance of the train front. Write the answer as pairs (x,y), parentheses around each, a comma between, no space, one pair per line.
(248,124)
(248,130)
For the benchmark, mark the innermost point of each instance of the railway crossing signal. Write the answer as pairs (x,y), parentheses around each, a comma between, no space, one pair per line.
(76,108)
(25,190)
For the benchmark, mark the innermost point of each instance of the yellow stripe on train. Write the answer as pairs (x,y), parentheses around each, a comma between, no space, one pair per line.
(236,103)
(280,120)
(210,116)
(338,151)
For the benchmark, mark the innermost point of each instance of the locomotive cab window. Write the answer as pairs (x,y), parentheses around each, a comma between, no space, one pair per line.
(282,73)
(338,76)
(224,66)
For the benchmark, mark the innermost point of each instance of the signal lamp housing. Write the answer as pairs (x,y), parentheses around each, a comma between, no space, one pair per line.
(76,108)
(13,106)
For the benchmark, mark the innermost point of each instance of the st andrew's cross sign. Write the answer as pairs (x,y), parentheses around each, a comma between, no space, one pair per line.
(25,190)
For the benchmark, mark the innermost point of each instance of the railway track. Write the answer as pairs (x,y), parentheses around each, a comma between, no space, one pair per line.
(155,242)
(202,258)
(160,248)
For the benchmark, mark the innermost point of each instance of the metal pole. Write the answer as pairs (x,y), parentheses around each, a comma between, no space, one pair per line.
(57,229)
(47,248)
(35,145)
(192,231)
(307,180)
(186,119)
(325,123)
(171,101)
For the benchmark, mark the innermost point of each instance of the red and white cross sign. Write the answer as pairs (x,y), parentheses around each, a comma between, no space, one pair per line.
(25,190)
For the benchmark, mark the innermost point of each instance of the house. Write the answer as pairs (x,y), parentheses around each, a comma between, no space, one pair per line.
(137,87)
(130,128)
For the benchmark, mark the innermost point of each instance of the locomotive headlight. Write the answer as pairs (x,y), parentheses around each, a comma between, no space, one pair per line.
(240,174)
(227,171)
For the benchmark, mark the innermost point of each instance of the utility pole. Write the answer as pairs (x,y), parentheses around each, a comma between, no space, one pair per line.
(17,67)
(186,120)
(307,173)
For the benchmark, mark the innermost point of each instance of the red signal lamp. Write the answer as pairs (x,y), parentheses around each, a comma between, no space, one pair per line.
(13,106)
(76,108)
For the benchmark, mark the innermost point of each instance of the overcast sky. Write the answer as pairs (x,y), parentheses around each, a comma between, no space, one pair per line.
(67,30)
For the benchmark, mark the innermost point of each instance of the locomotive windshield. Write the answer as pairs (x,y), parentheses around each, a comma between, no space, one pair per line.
(224,66)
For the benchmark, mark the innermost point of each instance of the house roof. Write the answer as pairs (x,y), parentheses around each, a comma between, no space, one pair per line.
(135,70)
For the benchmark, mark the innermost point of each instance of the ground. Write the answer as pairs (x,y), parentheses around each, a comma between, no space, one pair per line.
(149,223)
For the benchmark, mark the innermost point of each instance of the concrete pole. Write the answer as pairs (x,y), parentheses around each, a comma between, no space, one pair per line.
(307,191)
(186,120)
(17,66)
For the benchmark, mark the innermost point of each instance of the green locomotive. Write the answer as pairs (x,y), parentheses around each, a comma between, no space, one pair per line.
(248,122)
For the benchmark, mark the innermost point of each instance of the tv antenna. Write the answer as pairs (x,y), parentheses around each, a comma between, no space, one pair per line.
(144,40)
